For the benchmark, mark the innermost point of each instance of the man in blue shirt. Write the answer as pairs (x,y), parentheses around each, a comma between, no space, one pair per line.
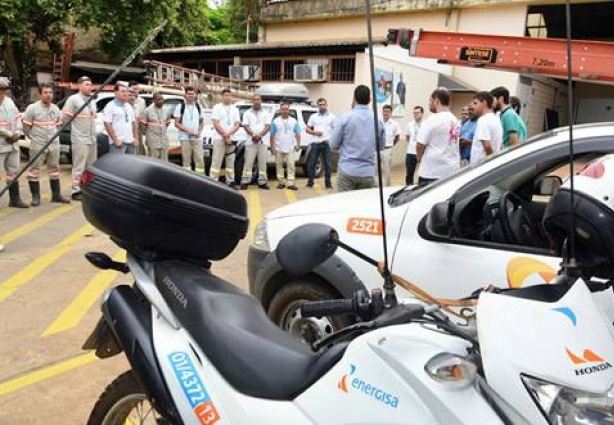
(353,135)
(466,134)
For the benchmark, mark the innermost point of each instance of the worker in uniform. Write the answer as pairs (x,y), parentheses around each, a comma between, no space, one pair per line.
(40,123)
(9,150)
(153,124)
(82,132)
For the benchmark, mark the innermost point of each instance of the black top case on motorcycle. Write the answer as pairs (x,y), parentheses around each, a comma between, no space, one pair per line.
(162,211)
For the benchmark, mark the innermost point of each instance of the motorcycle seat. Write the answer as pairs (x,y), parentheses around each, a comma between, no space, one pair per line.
(232,329)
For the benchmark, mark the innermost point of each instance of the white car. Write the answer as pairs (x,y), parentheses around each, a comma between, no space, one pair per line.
(301,112)
(485,228)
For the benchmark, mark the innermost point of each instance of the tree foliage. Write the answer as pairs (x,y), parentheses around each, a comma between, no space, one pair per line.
(124,23)
(25,25)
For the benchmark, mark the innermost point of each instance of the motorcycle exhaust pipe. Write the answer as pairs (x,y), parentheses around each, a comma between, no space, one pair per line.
(129,317)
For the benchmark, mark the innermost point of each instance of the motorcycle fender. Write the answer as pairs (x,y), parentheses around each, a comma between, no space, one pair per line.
(130,319)
(103,340)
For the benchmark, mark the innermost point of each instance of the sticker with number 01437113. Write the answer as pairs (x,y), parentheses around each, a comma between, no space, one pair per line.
(365,226)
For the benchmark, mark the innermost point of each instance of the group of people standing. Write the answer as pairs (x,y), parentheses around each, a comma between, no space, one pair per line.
(441,144)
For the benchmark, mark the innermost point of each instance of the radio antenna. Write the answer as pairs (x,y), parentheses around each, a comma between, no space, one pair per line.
(570,265)
(390,298)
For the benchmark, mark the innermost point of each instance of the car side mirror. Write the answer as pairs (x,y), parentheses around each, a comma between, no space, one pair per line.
(306,247)
(547,186)
(438,221)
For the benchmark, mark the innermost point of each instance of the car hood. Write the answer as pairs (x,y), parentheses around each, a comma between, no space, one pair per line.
(347,202)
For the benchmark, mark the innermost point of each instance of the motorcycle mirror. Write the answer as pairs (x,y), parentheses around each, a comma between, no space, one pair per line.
(306,247)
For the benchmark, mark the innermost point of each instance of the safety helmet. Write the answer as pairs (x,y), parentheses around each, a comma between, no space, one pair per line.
(594,218)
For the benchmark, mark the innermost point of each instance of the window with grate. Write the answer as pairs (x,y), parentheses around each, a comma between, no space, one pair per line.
(271,70)
(209,67)
(342,69)
(223,68)
(289,68)
(536,25)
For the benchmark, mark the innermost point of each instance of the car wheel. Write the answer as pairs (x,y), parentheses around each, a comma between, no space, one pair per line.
(239,162)
(285,311)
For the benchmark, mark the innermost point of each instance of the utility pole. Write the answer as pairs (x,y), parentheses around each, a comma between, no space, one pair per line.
(249,24)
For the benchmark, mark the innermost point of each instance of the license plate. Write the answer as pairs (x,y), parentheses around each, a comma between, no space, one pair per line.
(64,148)
(207,153)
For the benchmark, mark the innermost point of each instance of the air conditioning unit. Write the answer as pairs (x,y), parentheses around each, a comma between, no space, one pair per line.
(309,72)
(244,73)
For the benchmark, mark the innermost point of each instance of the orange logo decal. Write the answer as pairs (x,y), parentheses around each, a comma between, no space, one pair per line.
(520,268)
(342,385)
(587,356)
(365,226)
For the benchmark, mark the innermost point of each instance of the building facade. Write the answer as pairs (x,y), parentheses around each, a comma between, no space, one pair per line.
(327,39)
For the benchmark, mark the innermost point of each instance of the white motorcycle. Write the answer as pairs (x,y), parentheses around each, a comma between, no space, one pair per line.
(204,352)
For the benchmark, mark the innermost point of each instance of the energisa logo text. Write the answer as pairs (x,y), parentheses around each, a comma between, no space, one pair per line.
(366,388)
(181,299)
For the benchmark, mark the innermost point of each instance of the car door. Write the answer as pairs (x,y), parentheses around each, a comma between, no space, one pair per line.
(456,265)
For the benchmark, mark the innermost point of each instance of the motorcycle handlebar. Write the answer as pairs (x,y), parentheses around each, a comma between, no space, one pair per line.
(328,308)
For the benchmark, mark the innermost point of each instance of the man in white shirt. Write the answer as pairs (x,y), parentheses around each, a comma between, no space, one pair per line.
(437,147)
(411,135)
(393,133)
(189,120)
(226,121)
(257,123)
(285,140)
(488,137)
(320,127)
(120,123)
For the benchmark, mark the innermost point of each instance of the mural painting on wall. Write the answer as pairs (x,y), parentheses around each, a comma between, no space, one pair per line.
(383,88)
(399,95)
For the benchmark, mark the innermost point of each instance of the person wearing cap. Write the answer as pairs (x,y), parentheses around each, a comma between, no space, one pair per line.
(82,132)
(9,151)
(40,123)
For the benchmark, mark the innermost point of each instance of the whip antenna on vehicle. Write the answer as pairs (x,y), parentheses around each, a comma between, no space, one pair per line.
(389,294)
(111,77)
(569,264)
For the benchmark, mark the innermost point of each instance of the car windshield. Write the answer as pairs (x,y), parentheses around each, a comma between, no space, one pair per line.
(408,193)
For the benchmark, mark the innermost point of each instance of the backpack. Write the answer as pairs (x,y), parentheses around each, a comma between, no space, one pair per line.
(183,110)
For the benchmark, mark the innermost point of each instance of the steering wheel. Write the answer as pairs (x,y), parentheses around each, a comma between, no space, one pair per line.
(518,229)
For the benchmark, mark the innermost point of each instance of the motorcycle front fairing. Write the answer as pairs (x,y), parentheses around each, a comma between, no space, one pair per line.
(548,334)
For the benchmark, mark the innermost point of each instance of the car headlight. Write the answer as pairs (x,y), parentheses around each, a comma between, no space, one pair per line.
(261,237)
(565,406)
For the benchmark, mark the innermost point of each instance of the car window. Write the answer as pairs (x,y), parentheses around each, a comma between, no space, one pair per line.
(306,115)
(508,211)
(171,104)
(102,103)
(292,113)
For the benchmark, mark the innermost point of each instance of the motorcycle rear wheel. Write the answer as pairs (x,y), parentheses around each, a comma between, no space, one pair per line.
(124,401)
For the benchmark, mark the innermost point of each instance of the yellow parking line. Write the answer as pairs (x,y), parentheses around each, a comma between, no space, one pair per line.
(6,211)
(73,314)
(255,211)
(46,373)
(30,227)
(319,189)
(33,269)
(290,195)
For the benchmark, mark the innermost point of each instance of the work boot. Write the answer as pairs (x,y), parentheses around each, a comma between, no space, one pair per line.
(56,194)
(14,198)
(35,189)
